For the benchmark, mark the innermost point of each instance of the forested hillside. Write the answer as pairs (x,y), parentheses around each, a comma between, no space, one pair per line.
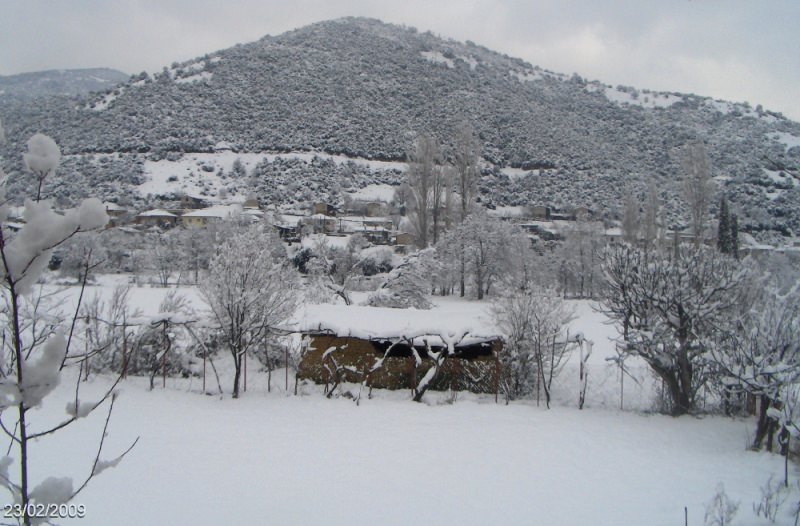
(68,82)
(364,89)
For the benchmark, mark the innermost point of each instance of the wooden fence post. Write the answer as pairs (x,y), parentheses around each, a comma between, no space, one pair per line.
(496,376)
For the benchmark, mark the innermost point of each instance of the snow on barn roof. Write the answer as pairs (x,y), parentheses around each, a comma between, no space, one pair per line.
(444,322)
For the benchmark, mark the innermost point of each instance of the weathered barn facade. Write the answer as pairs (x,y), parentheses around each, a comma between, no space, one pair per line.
(392,348)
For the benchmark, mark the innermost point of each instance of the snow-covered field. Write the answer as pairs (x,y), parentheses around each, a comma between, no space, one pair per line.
(280,459)
(276,458)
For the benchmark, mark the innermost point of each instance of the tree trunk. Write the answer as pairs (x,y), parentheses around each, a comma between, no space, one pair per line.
(462,272)
(763,422)
(237,363)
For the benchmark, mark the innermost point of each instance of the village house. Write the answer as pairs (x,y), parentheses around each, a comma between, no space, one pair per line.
(213,214)
(377,230)
(158,217)
(323,209)
(193,202)
(321,223)
(116,213)
(404,239)
(540,213)
(289,226)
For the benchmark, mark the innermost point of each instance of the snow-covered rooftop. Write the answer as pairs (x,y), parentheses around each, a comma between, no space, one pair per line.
(220,211)
(448,322)
(158,212)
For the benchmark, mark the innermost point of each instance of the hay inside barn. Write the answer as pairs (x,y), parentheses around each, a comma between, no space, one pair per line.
(392,348)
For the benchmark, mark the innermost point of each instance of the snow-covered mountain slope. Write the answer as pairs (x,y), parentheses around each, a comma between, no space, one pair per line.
(59,82)
(358,88)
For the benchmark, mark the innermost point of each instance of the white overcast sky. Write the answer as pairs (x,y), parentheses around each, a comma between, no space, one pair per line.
(740,50)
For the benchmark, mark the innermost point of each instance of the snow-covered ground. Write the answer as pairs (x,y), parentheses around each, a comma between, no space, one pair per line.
(276,458)
(281,459)
(186,174)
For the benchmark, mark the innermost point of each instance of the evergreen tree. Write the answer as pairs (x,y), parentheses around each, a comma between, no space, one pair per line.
(734,236)
(724,228)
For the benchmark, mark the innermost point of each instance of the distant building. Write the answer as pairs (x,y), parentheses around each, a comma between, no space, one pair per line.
(540,213)
(403,238)
(374,209)
(323,209)
(288,226)
(158,217)
(321,223)
(222,146)
(193,202)
(206,216)
(116,214)
(252,204)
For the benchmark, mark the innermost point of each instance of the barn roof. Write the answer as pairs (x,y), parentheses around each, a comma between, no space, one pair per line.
(461,322)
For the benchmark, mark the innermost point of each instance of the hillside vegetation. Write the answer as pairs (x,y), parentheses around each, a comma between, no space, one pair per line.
(363,89)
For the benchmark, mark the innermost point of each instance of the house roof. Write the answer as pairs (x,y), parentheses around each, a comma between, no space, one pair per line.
(287,220)
(219,211)
(158,212)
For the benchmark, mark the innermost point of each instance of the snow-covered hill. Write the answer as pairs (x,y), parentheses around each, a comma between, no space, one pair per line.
(361,89)
(67,82)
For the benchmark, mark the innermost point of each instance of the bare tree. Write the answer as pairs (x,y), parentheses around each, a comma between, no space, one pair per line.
(424,171)
(467,172)
(698,187)
(537,343)
(466,156)
(631,218)
(439,191)
(250,289)
(652,216)
(486,244)
(581,253)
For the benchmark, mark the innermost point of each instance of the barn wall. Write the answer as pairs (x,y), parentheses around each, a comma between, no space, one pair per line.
(357,356)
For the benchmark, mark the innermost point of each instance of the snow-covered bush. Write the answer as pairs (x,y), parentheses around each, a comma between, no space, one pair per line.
(773,496)
(536,341)
(162,344)
(408,285)
(375,260)
(720,511)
